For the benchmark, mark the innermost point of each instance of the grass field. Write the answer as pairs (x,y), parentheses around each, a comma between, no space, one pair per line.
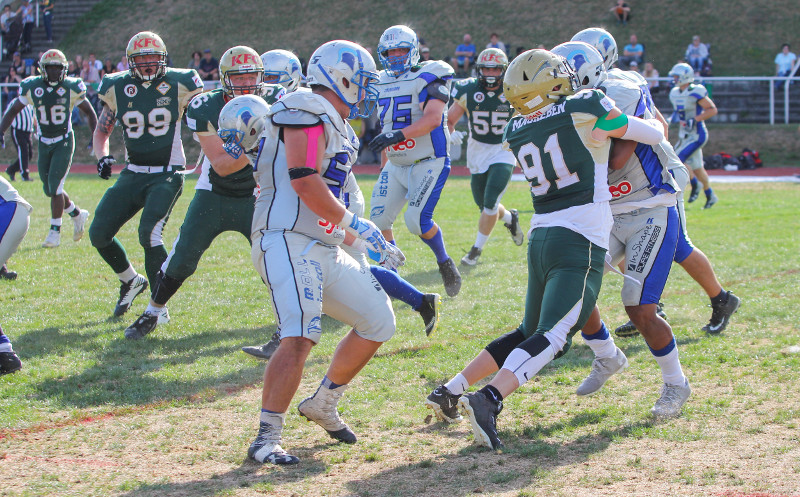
(92,414)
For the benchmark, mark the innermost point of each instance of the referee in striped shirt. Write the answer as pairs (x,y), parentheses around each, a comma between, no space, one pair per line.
(23,125)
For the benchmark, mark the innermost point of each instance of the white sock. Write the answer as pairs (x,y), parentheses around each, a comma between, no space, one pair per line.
(55,222)
(671,371)
(127,275)
(153,310)
(480,240)
(604,347)
(506,217)
(458,385)
(273,418)
(71,207)
(6,347)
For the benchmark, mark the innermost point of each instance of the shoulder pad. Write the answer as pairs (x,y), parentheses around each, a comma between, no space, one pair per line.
(294,118)
(188,77)
(29,81)
(438,68)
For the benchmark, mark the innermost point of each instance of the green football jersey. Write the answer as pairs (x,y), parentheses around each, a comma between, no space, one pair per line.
(53,104)
(564,164)
(150,113)
(488,111)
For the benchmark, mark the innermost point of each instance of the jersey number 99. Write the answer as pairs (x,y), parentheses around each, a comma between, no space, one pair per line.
(157,124)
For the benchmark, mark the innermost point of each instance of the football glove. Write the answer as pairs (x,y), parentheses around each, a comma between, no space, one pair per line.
(104,166)
(387,139)
(392,258)
(367,231)
(689,125)
(457,137)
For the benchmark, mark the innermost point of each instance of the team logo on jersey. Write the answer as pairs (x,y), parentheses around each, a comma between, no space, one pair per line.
(61,91)
(197,81)
(479,97)
(502,98)
(620,189)
(406,145)
(130,90)
(39,92)
(163,101)
(163,88)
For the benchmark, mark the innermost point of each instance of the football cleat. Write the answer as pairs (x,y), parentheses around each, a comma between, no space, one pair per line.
(129,291)
(628,329)
(142,326)
(52,240)
(472,256)
(695,193)
(79,225)
(602,370)
(514,227)
(9,362)
(5,274)
(721,314)
(671,401)
(482,414)
(450,276)
(266,447)
(429,310)
(444,405)
(163,316)
(264,351)
(710,201)
(321,409)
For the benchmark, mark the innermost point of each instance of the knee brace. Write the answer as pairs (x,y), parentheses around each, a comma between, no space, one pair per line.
(501,347)
(165,288)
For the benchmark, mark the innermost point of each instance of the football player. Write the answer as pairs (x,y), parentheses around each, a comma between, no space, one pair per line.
(307,149)
(490,165)
(148,101)
(692,108)
(224,195)
(561,140)
(723,303)
(414,144)
(643,236)
(9,360)
(15,214)
(54,94)
(282,67)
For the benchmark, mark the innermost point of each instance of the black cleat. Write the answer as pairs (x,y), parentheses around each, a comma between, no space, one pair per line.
(721,314)
(5,274)
(695,193)
(429,310)
(9,362)
(450,276)
(482,414)
(514,228)
(264,351)
(129,291)
(472,257)
(444,404)
(142,326)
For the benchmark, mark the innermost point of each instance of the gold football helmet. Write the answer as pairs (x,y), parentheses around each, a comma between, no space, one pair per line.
(51,58)
(147,43)
(491,57)
(537,78)
(241,60)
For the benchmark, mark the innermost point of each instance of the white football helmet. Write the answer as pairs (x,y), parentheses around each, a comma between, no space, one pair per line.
(398,37)
(602,40)
(682,74)
(585,60)
(347,69)
(241,123)
(285,66)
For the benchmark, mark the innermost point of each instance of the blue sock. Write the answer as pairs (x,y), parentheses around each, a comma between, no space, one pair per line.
(268,411)
(4,338)
(693,183)
(437,245)
(708,193)
(601,334)
(328,383)
(396,287)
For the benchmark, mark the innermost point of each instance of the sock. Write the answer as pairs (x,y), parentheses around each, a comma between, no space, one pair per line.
(329,384)
(153,310)
(480,240)
(72,209)
(5,346)
(396,287)
(601,342)
(667,359)
(458,385)
(507,217)
(492,394)
(115,256)
(720,299)
(127,275)
(55,225)
(693,182)
(437,245)
(708,193)
(271,417)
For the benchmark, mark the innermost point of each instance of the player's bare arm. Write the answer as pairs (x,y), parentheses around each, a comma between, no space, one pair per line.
(9,116)
(221,161)
(621,151)
(709,109)
(88,111)
(102,132)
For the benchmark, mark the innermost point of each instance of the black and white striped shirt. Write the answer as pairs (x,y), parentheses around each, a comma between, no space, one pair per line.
(25,120)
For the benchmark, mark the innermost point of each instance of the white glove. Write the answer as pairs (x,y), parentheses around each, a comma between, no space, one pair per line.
(365,230)
(392,258)
(457,137)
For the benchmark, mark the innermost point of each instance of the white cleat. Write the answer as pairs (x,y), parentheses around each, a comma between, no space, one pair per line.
(52,240)
(602,370)
(671,401)
(79,225)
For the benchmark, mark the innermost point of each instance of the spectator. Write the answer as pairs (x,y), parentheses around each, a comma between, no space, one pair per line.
(108,67)
(5,22)
(696,54)
(650,73)
(73,70)
(12,29)
(209,66)
(464,56)
(194,62)
(424,54)
(47,15)
(79,61)
(89,74)
(11,92)
(632,52)
(27,25)
(784,63)
(122,65)
(622,11)
(96,63)
(634,66)
(494,42)
(18,64)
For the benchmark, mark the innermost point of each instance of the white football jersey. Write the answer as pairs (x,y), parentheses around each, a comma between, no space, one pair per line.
(645,180)
(399,105)
(278,207)
(685,102)
(9,194)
